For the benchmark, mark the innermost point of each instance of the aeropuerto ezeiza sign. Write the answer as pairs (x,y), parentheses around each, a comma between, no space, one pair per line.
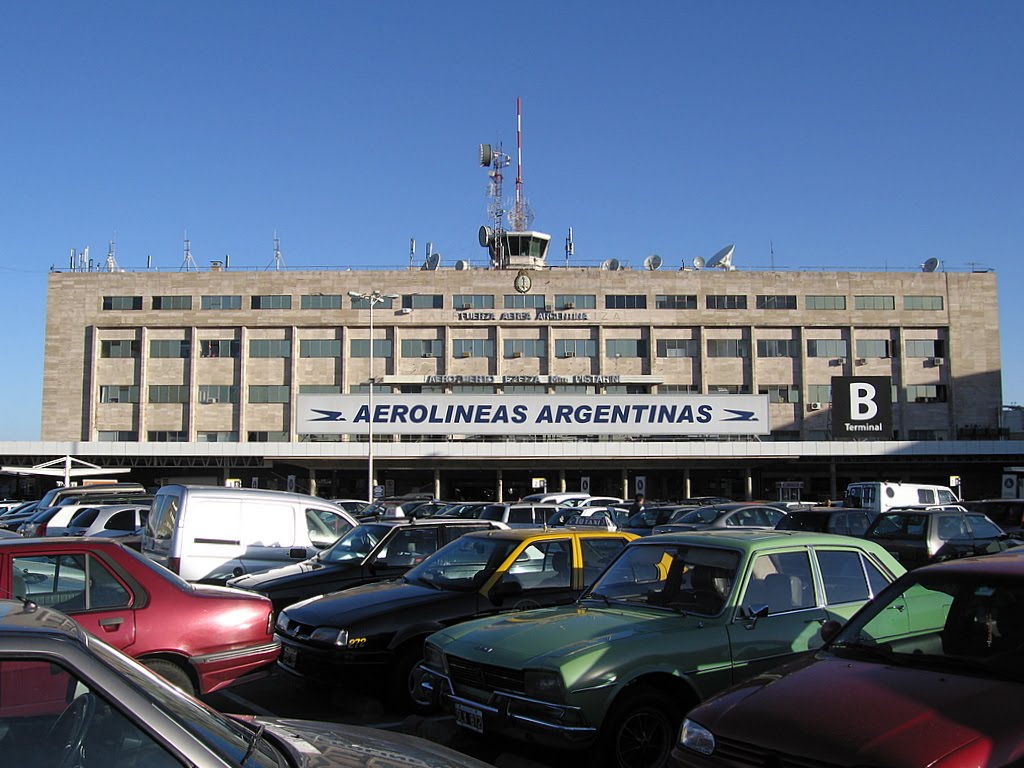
(414,414)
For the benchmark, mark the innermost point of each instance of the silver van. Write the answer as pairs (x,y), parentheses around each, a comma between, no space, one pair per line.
(210,534)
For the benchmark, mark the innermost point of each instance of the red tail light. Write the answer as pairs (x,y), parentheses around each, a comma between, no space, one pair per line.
(40,530)
(174,564)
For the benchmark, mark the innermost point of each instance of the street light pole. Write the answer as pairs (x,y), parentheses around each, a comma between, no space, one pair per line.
(373,298)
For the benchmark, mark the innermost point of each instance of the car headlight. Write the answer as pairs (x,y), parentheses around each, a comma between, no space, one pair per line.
(696,737)
(282,622)
(544,685)
(329,636)
(432,657)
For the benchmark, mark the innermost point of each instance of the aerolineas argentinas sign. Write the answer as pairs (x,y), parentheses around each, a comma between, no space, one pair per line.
(411,414)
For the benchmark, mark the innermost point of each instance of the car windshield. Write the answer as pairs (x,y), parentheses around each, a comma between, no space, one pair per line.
(225,736)
(464,564)
(966,621)
(701,516)
(900,525)
(354,545)
(670,575)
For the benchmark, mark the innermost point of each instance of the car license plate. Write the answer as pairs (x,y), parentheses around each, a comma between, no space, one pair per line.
(289,655)
(469,717)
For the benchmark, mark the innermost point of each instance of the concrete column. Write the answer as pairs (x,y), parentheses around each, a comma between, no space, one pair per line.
(686,483)
(500,487)
(312,482)
(437,483)
(625,485)
(833,491)
(748,484)
(561,481)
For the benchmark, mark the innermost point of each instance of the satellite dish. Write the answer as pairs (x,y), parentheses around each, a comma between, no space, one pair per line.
(432,262)
(461,264)
(698,262)
(931,265)
(611,265)
(722,259)
(484,235)
(652,262)
(486,155)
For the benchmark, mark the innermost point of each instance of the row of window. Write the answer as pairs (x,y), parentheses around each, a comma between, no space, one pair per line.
(383,348)
(280,393)
(562,302)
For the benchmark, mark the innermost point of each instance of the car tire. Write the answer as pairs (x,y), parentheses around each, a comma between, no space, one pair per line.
(640,730)
(172,673)
(400,685)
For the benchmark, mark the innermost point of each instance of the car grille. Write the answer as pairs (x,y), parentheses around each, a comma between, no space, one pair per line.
(464,673)
(732,752)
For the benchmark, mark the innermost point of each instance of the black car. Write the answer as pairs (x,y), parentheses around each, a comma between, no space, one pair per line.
(643,522)
(1008,514)
(72,701)
(373,634)
(370,552)
(846,522)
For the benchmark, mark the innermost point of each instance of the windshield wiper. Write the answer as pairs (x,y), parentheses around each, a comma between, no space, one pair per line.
(257,735)
(867,649)
(597,596)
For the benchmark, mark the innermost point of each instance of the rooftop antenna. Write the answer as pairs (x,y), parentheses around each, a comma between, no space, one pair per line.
(111,261)
(278,258)
(189,263)
(412,252)
(520,213)
(930,265)
(771,249)
(490,237)
(570,247)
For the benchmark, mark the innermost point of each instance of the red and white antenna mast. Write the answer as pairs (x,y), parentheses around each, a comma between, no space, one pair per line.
(518,214)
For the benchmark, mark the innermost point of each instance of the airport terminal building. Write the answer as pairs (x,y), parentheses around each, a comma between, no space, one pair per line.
(216,374)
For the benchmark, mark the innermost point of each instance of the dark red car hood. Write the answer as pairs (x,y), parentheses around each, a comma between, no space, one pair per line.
(849,712)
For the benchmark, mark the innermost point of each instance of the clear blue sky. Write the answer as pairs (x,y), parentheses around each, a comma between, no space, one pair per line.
(872,135)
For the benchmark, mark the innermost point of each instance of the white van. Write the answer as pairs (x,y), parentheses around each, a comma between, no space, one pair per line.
(210,534)
(881,496)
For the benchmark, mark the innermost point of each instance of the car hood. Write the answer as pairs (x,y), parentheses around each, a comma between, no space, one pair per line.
(307,572)
(366,602)
(331,745)
(862,713)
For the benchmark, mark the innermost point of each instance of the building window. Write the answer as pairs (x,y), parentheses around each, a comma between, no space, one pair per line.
(468,301)
(218,348)
(874,302)
(422,348)
(216,437)
(119,393)
(364,389)
(575,348)
(728,389)
(725,301)
(776,302)
(678,389)
(926,393)
(268,393)
(819,393)
(210,394)
(472,389)
(922,302)
(526,348)
(268,437)
(320,301)
(122,302)
(627,389)
(119,348)
(361,303)
(319,389)
(874,348)
(826,347)
(625,348)
(320,348)
(678,347)
(270,348)
(117,436)
(168,393)
(220,302)
(625,301)
(525,389)
(778,348)
(472,348)
(271,302)
(565,301)
(172,302)
(361,348)
(423,301)
(676,301)
(167,436)
(525,301)
(824,302)
(924,348)
(780,393)
(785,435)
(928,434)
(170,348)
(728,348)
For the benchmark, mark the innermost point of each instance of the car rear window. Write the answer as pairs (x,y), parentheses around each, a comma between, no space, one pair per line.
(163,517)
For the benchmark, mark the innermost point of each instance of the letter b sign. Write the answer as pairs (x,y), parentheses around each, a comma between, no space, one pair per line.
(862,407)
(862,401)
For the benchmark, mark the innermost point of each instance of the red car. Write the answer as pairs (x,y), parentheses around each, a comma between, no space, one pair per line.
(200,638)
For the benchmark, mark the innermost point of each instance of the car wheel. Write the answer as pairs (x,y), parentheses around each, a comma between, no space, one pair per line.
(402,680)
(640,730)
(172,673)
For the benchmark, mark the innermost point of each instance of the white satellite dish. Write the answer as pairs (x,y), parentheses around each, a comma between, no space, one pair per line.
(722,259)
(432,262)
(698,262)
(652,262)
(461,265)
(611,265)
(931,265)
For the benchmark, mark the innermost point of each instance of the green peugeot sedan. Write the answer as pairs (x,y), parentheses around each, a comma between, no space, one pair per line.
(674,619)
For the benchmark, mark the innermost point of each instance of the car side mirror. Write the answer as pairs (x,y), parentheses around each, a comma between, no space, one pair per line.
(753,613)
(829,630)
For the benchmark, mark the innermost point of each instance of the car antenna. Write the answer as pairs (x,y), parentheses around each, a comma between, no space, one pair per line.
(28,606)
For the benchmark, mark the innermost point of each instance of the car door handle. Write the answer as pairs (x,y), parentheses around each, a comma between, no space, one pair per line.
(111,623)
